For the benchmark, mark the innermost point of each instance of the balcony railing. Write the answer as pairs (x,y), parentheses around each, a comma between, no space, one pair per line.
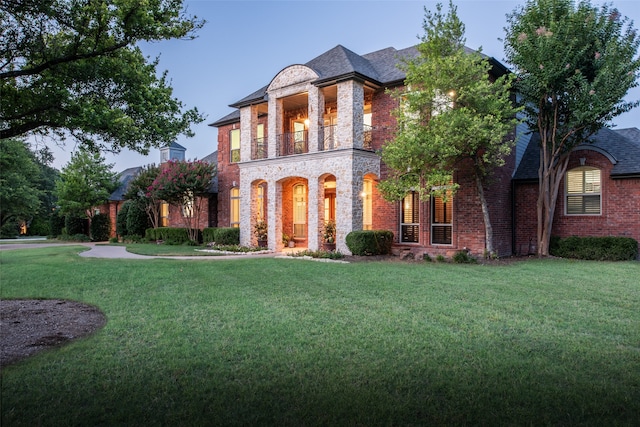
(292,143)
(259,149)
(328,140)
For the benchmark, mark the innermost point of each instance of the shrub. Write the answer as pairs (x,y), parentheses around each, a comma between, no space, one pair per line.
(222,236)
(137,220)
(56,224)
(100,227)
(169,235)
(370,242)
(463,257)
(9,230)
(318,254)
(75,225)
(40,226)
(121,219)
(608,248)
(441,258)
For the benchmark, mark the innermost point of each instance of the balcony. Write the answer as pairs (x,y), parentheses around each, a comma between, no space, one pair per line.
(328,139)
(259,149)
(292,143)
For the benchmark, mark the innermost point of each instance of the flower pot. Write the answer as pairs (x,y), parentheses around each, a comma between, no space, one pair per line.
(292,244)
(329,246)
(262,243)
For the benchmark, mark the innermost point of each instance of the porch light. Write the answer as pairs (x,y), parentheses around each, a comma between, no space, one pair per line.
(306,122)
(452,94)
(363,194)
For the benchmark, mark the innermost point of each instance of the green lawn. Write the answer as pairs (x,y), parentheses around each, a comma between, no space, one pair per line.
(290,342)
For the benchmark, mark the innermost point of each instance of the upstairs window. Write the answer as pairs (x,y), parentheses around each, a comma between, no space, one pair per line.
(582,187)
(234,138)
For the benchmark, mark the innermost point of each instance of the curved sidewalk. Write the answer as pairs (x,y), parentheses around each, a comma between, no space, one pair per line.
(120,252)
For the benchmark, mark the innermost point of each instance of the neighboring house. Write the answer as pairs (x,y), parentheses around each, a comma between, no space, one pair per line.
(170,216)
(599,195)
(302,150)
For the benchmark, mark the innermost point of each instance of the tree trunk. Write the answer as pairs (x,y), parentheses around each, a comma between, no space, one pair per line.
(550,176)
(488,229)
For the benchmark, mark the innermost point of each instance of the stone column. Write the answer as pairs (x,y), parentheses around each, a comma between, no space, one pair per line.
(312,213)
(246,224)
(316,121)
(274,125)
(350,114)
(274,215)
(248,127)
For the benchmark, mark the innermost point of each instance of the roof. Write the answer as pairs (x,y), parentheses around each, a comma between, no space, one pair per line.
(379,68)
(124,178)
(212,159)
(624,154)
(176,146)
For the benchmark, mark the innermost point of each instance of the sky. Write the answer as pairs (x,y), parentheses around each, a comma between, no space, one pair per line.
(244,44)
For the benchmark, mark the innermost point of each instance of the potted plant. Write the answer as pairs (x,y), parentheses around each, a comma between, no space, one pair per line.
(260,230)
(329,236)
(288,241)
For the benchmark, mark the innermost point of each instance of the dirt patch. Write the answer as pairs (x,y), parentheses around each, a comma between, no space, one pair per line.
(31,326)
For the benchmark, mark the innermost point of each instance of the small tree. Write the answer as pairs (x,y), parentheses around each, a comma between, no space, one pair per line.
(138,192)
(85,182)
(184,185)
(452,115)
(575,63)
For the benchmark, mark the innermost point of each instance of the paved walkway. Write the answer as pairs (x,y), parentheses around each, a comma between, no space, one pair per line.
(120,252)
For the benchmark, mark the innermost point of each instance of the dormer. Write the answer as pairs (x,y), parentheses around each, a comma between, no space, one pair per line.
(174,152)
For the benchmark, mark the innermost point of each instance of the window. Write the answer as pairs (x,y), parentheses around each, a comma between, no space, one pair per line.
(410,220)
(187,207)
(367,206)
(234,208)
(299,211)
(260,202)
(441,220)
(164,214)
(234,137)
(261,149)
(583,191)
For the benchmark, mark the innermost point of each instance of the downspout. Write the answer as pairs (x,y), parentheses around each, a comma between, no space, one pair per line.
(513,217)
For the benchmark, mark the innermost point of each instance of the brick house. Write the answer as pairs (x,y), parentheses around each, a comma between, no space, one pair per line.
(302,150)
(599,195)
(170,216)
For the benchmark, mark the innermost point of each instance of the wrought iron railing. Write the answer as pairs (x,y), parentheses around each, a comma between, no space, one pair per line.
(292,143)
(259,149)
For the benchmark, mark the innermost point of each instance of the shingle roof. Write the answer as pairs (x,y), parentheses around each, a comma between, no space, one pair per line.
(624,153)
(379,67)
(124,178)
(212,159)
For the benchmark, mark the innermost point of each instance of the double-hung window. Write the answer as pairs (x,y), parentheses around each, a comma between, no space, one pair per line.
(410,219)
(441,220)
(234,138)
(583,191)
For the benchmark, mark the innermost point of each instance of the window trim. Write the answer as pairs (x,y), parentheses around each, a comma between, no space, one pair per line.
(415,213)
(448,224)
(582,170)
(234,152)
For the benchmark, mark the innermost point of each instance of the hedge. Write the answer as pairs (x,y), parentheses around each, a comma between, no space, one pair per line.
(100,227)
(169,235)
(222,236)
(370,242)
(608,248)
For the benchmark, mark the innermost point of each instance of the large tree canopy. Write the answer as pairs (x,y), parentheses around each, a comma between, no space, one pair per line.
(453,115)
(575,63)
(19,182)
(72,67)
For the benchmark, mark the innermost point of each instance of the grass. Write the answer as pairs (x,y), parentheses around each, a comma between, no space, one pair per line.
(279,342)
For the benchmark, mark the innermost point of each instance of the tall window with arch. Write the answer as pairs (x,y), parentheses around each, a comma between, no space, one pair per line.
(367,205)
(300,211)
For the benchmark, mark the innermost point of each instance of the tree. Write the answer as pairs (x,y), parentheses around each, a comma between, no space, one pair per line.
(85,182)
(73,67)
(19,183)
(575,63)
(451,116)
(138,192)
(184,185)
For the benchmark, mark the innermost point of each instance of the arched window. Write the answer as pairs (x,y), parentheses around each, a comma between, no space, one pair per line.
(299,211)
(234,207)
(582,191)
